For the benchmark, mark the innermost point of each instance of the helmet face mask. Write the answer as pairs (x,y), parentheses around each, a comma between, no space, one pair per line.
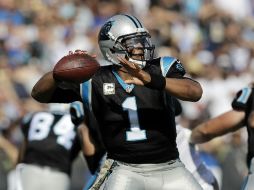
(124,36)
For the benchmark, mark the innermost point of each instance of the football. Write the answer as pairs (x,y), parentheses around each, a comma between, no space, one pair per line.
(76,68)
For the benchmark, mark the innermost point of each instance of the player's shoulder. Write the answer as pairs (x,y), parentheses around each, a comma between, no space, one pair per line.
(27,118)
(103,69)
(103,72)
(170,65)
(242,98)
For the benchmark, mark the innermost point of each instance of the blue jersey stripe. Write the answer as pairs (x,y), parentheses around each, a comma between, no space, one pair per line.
(86,93)
(244,96)
(126,87)
(91,181)
(77,106)
(166,63)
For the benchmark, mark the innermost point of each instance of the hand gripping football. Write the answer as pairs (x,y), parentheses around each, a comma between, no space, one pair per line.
(75,68)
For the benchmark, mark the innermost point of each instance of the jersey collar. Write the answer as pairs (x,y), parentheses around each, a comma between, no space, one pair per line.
(127,87)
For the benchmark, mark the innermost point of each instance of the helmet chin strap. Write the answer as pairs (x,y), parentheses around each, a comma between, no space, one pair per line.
(141,64)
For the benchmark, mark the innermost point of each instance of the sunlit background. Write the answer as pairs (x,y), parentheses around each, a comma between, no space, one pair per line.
(212,38)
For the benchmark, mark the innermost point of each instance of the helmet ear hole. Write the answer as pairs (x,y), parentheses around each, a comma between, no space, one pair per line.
(112,50)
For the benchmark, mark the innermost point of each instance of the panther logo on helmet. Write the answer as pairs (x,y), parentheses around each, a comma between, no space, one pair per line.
(120,35)
(104,30)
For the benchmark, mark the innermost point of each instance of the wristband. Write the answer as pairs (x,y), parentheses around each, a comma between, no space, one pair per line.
(157,82)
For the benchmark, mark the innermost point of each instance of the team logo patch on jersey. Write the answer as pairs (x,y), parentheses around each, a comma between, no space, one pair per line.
(108,88)
(179,66)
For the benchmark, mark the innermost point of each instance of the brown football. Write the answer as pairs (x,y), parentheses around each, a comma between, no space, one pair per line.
(76,68)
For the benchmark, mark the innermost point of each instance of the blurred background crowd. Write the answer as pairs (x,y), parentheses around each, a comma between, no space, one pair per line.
(212,38)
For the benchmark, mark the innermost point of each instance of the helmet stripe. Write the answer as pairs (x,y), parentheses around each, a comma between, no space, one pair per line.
(138,21)
(132,19)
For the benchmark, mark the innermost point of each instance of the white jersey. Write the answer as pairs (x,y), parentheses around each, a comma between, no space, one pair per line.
(189,155)
(249,181)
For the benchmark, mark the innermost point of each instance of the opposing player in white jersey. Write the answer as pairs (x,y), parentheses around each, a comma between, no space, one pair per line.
(189,155)
(241,115)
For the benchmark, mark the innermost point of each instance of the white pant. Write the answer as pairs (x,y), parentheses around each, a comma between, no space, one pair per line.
(249,182)
(163,176)
(33,177)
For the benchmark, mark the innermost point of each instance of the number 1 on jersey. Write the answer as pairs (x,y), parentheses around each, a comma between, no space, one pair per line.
(135,133)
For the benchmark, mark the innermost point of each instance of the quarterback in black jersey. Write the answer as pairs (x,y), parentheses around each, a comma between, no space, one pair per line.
(131,101)
(242,115)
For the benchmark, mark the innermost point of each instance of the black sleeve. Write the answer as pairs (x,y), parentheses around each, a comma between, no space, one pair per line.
(25,124)
(176,70)
(65,96)
(242,99)
(93,162)
(77,113)
(178,107)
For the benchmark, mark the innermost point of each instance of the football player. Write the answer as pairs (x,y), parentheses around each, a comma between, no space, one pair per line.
(188,154)
(51,143)
(240,116)
(132,102)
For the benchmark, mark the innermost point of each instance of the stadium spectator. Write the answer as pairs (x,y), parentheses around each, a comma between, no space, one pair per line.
(34,27)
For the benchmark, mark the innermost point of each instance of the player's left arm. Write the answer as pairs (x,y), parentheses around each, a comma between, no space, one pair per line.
(78,119)
(172,80)
(227,122)
(184,88)
(10,149)
(218,126)
(91,150)
(176,83)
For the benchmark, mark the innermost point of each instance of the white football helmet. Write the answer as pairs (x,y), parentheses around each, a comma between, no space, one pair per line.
(120,35)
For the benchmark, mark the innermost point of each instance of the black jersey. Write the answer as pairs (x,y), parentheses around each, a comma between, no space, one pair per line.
(244,102)
(137,124)
(52,140)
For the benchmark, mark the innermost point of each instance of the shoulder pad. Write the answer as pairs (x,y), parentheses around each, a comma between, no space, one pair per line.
(77,112)
(166,62)
(27,118)
(241,99)
(171,65)
(86,91)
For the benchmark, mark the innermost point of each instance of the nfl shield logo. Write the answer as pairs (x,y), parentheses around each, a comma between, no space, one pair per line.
(108,88)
